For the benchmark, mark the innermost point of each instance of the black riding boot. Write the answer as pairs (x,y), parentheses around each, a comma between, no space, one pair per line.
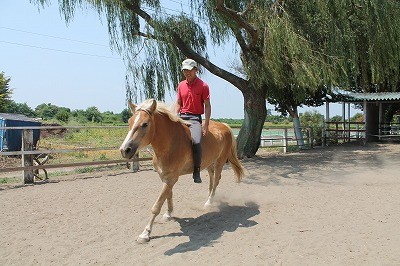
(196,175)
(196,162)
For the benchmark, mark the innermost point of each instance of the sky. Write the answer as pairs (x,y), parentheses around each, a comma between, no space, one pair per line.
(73,65)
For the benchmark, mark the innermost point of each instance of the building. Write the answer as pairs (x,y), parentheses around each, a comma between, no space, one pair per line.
(11,139)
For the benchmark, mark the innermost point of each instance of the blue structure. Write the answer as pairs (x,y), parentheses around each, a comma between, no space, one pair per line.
(11,139)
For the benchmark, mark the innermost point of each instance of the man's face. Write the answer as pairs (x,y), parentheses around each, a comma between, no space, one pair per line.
(190,75)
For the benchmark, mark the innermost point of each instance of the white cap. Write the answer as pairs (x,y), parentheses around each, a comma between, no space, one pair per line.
(189,64)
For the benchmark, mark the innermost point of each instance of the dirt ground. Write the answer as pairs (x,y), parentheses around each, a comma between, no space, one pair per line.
(327,206)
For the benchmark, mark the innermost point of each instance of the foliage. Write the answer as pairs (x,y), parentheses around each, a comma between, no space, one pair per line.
(111,118)
(315,121)
(277,119)
(93,114)
(86,137)
(5,92)
(336,118)
(20,108)
(46,111)
(62,115)
(358,117)
(290,52)
(231,122)
(125,115)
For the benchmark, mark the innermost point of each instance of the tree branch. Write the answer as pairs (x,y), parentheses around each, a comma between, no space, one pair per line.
(241,41)
(187,50)
(244,13)
(238,18)
(135,8)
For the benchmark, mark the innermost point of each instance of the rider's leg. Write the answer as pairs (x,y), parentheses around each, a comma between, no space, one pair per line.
(196,132)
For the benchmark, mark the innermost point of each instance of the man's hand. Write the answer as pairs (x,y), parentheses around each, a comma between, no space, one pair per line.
(205,129)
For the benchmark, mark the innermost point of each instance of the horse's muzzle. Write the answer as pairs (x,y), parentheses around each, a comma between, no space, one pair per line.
(128,151)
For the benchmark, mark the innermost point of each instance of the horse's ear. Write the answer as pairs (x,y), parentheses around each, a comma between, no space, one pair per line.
(153,106)
(132,106)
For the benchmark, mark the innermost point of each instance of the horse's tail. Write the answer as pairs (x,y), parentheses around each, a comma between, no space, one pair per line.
(234,161)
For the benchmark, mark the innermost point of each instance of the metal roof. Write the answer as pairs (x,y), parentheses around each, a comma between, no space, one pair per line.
(372,96)
(17,117)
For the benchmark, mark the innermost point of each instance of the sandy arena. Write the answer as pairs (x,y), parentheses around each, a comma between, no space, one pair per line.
(327,206)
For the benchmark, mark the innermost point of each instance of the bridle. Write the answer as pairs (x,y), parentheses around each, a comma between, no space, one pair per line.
(144,110)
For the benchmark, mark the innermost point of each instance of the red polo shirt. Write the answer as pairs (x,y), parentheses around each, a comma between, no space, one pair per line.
(192,96)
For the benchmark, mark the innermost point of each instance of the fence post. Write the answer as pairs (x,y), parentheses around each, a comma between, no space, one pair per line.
(311,138)
(135,164)
(27,160)
(285,140)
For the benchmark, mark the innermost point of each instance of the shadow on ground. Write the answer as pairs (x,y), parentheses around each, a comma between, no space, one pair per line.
(204,230)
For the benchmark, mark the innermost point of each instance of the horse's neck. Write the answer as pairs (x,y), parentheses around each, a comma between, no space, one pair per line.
(168,135)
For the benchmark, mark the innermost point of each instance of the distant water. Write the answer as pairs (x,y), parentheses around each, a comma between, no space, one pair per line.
(268,132)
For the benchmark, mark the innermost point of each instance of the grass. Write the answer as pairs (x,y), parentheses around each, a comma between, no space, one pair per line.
(71,139)
(10,180)
(85,138)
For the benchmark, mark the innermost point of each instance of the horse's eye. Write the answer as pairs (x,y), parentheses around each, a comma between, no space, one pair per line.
(145,124)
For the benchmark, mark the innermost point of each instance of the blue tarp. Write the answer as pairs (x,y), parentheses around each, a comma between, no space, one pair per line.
(11,139)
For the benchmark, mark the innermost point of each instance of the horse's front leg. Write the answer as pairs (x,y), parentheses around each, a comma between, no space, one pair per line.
(168,214)
(166,192)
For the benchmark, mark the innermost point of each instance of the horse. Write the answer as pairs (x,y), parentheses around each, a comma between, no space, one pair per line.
(152,123)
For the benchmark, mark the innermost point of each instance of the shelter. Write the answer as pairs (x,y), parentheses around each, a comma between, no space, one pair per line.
(374,106)
(11,139)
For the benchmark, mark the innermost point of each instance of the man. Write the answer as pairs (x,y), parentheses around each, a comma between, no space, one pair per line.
(193,100)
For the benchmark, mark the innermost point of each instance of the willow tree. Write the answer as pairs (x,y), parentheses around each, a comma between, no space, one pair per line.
(365,36)
(313,46)
(375,64)
(285,49)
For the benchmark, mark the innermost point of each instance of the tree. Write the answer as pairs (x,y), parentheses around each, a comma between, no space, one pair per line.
(290,51)
(93,114)
(46,111)
(20,108)
(111,118)
(125,115)
(5,92)
(315,121)
(358,117)
(63,114)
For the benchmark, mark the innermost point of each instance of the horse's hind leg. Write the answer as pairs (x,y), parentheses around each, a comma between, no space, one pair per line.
(211,173)
(214,181)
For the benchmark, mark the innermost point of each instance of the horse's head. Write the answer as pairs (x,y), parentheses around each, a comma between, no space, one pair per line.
(140,128)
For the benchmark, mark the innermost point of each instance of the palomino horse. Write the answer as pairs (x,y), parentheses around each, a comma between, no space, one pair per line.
(152,123)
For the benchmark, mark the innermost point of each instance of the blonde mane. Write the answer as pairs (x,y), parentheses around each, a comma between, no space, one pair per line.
(163,108)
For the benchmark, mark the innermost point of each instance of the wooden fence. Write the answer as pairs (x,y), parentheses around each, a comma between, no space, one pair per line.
(343,131)
(285,140)
(29,154)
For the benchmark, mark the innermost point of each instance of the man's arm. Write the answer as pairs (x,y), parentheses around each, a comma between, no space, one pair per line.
(178,105)
(207,114)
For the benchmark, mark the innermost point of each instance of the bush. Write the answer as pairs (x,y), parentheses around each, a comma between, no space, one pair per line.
(315,121)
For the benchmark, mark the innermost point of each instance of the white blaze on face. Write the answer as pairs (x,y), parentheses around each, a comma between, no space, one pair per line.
(130,133)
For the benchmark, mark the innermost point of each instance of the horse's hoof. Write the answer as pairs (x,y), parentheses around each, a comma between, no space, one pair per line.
(166,218)
(207,206)
(143,240)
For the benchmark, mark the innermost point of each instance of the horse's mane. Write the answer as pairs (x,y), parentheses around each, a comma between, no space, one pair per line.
(164,109)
